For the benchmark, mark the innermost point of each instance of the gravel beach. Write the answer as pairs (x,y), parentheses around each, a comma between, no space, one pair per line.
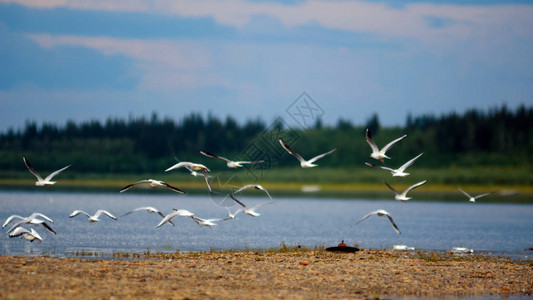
(269,274)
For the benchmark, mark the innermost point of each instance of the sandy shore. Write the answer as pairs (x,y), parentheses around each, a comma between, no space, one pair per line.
(291,274)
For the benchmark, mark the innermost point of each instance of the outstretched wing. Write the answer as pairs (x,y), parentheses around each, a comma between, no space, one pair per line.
(407,164)
(482,195)
(49,177)
(105,212)
(320,156)
(129,186)
(19,231)
(386,148)
(31,169)
(48,227)
(205,153)
(392,189)
(366,216)
(371,142)
(379,167)
(288,149)
(77,212)
(175,189)
(11,219)
(394,224)
(414,186)
(36,214)
(465,193)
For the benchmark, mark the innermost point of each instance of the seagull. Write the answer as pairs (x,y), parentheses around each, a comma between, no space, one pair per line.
(470,198)
(32,220)
(206,222)
(381,213)
(251,211)
(175,213)
(149,209)
(231,163)
(403,196)
(153,183)
(93,218)
(232,216)
(400,172)
(29,235)
(40,181)
(380,154)
(304,163)
(193,167)
(32,216)
(256,186)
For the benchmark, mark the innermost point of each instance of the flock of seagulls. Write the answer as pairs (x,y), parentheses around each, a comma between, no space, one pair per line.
(197,169)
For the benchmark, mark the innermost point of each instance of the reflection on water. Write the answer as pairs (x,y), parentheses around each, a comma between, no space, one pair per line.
(496,228)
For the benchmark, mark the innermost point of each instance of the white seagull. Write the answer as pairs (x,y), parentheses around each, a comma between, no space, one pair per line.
(381,213)
(34,221)
(232,216)
(252,210)
(206,222)
(400,172)
(93,218)
(376,153)
(153,183)
(193,167)
(470,198)
(231,163)
(32,216)
(175,213)
(304,163)
(40,181)
(403,196)
(29,235)
(149,209)
(256,186)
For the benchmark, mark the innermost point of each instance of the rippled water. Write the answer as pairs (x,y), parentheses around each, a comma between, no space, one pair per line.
(497,228)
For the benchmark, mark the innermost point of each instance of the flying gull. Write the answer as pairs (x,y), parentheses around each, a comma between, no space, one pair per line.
(153,183)
(381,213)
(304,163)
(403,196)
(400,172)
(231,163)
(40,181)
(93,218)
(376,153)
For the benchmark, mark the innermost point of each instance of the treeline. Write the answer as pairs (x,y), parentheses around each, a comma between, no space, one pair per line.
(499,137)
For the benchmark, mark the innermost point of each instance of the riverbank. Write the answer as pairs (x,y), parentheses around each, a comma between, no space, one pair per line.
(269,274)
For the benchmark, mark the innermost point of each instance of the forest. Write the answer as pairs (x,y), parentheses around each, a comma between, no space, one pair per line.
(498,137)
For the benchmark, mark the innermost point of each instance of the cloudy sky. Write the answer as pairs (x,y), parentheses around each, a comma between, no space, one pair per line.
(82,60)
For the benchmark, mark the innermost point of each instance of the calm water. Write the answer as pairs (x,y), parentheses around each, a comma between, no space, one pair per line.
(497,228)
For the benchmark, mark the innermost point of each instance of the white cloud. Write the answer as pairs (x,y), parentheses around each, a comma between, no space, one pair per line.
(165,64)
(462,21)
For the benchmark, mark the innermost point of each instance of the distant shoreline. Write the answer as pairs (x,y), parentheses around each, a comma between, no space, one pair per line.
(503,194)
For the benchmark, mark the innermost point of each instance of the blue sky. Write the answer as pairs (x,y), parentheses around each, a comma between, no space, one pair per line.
(83,60)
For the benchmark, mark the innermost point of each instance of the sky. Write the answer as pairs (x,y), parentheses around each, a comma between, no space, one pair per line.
(82,60)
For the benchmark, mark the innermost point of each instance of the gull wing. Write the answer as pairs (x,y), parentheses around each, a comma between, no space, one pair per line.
(257,206)
(77,212)
(139,209)
(36,214)
(320,156)
(366,216)
(11,219)
(414,186)
(465,193)
(175,189)
(129,186)
(379,167)
(288,149)
(19,231)
(105,212)
(206,176)
(386,148)
(214,156)
(236,200)
(49,177)
(392,189)
(371,142)
(482,195)
(48,227)
(407,164)
(31,169)
(394,224)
